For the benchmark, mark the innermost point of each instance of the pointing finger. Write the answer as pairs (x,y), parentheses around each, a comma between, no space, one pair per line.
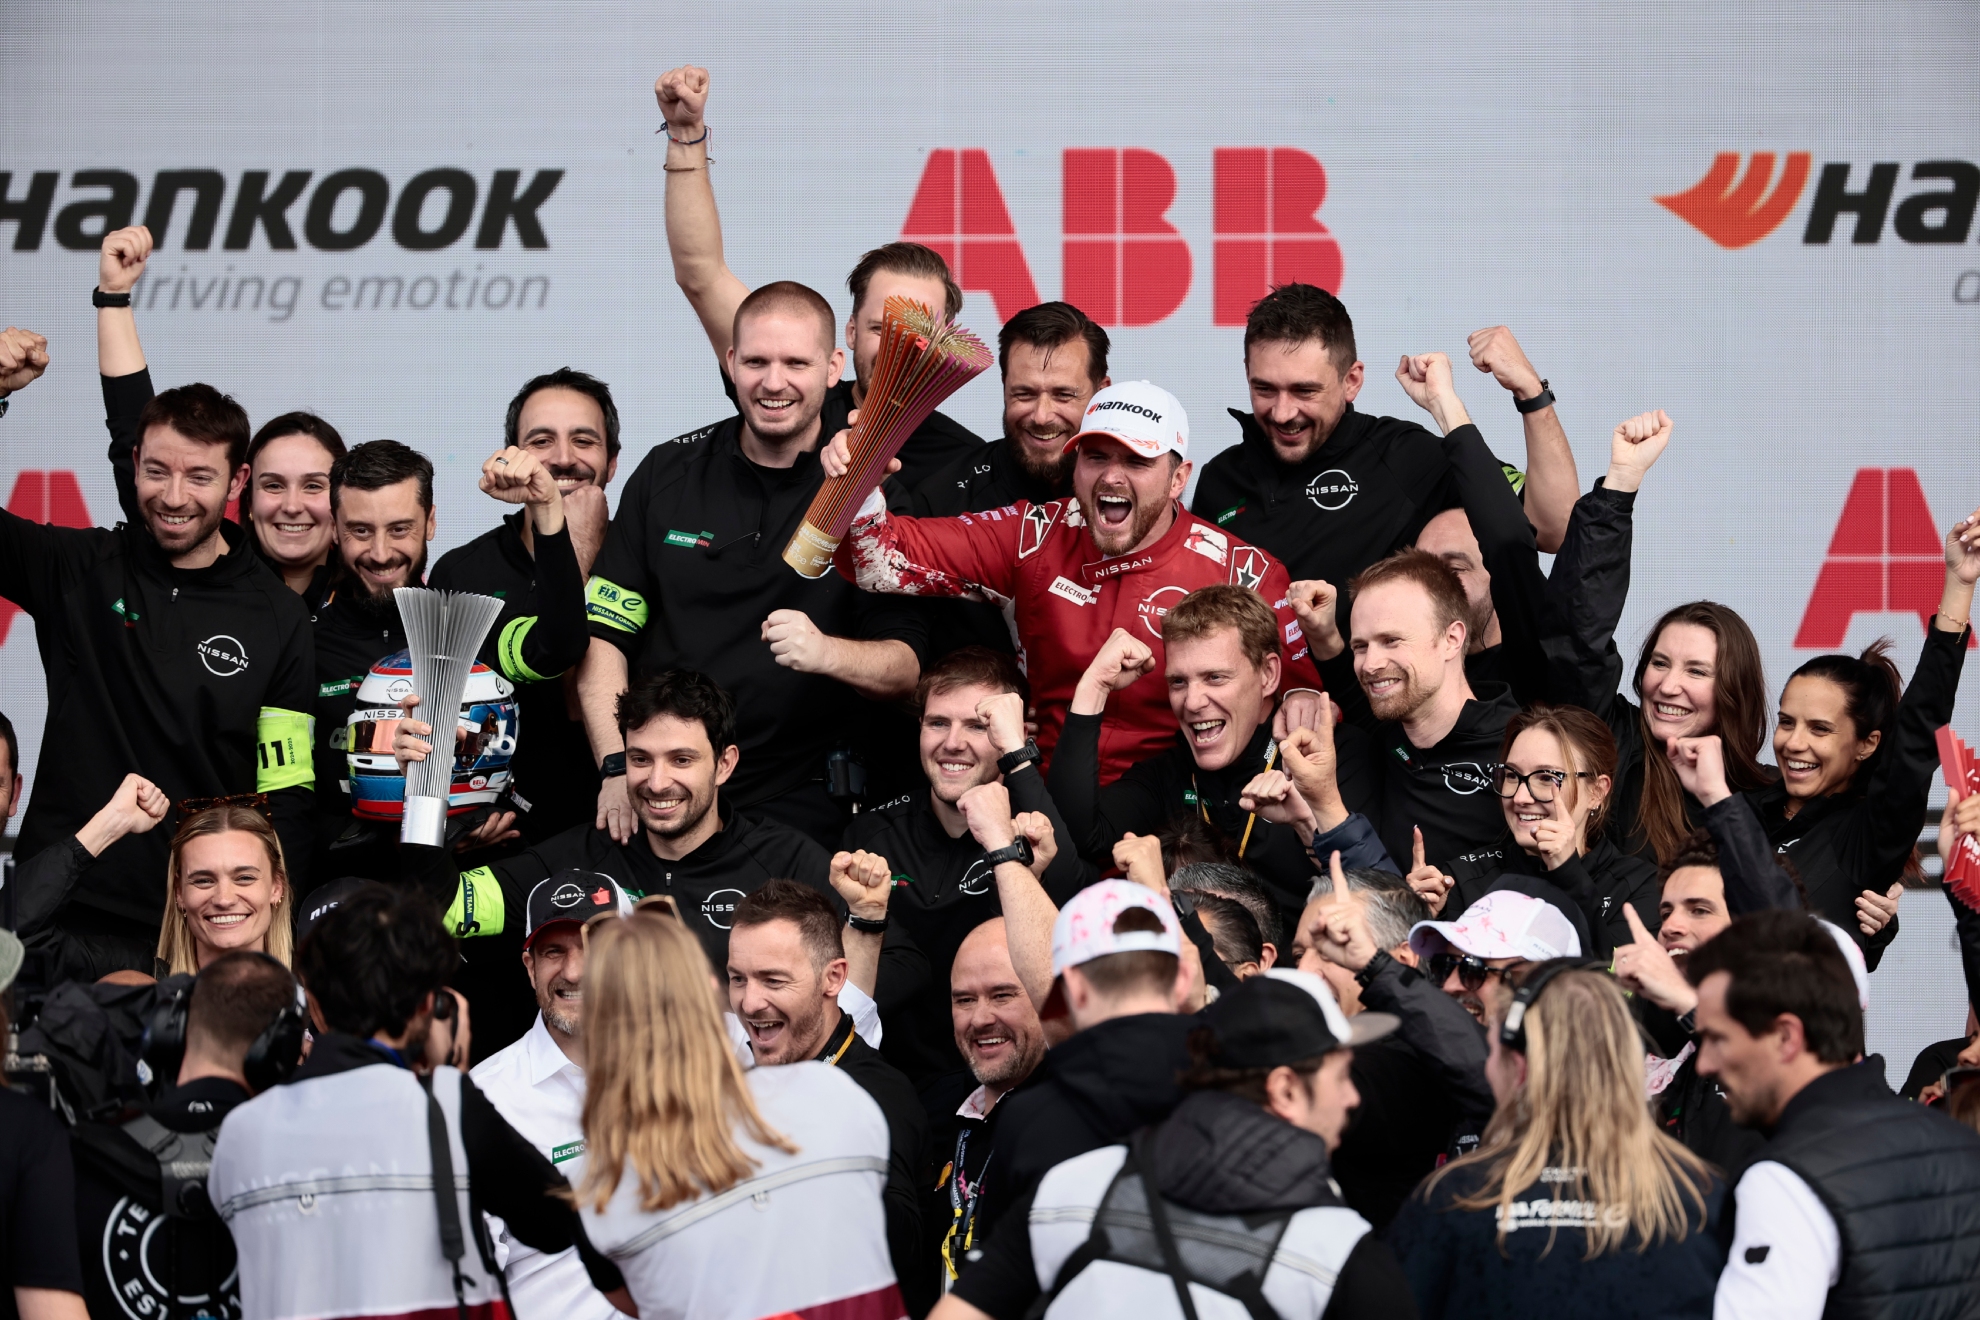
(1337,876)
(1416,847)
(1639,933)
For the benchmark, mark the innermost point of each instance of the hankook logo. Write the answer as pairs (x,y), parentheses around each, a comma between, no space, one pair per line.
(1121,405)
(222,655)
(1332,489)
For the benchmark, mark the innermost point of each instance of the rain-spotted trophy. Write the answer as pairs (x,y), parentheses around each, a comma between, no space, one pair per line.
(444,632)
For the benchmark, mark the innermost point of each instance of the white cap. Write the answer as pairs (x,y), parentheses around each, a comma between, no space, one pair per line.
(1358,1030)
(1858,969)
(1143,416)
(1085,928)
(1503,924)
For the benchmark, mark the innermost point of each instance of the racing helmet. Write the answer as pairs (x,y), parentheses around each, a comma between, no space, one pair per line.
(489,714)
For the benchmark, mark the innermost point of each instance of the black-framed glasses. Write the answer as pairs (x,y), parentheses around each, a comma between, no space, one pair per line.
(1472,971)
(1541,785)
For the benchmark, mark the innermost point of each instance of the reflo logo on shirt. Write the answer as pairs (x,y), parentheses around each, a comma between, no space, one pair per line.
(222,655)
(1332,489)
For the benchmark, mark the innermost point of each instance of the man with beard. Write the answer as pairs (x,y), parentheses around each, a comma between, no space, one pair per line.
(1072,571)
(169,652)
(381,495)
(1422,738)
(903,269)
(1331,490)
(537,1083)
(972,732)
(567,421)
(692,576)
(786,966)
(1052,358)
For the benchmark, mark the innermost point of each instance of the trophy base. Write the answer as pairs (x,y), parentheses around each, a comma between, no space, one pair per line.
(424,821)
(810,551)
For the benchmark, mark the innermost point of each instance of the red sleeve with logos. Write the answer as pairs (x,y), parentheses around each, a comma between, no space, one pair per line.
(974,554)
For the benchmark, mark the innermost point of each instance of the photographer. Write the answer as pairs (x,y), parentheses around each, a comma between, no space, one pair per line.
(44,1279)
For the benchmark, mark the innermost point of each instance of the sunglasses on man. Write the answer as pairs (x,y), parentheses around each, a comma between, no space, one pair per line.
(1472,971)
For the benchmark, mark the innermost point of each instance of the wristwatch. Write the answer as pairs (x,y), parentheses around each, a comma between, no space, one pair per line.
(1688,1020)
(98,298)
(1023,756)
(612,765)
(1544,399)
(1017,850)
(867,925)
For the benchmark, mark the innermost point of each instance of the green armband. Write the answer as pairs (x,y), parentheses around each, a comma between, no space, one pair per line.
(478,907)
(1514,478)
(614,606)
(508,652)
(285,742)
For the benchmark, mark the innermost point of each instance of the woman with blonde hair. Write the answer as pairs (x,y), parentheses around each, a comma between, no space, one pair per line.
(226,888)
(720,1194)
(1574,1202)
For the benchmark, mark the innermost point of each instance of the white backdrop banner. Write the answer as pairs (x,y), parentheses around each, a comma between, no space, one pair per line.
(395,214)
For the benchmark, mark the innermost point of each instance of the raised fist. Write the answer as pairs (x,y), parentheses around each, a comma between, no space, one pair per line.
(23,357)
(1701,767)
(1495,350)
(1004,713)
(1425,377)
(864,880)
(1139,857)
(683,95)
(1122,660)
(1634,447)
(1036,827)
(1314,604)
(986,809)
(124,253)
(514,476)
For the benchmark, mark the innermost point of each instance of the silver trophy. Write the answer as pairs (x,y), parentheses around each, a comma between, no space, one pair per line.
(444,632)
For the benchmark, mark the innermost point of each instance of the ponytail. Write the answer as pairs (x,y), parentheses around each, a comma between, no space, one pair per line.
(1872,688)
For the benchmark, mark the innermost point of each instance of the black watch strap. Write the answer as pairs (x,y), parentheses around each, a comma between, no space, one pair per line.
(1374,967)
(612,765)
(98,298)
(1017,850)
(867,925)
(1688,1021)
(1544,399)
(1023,756)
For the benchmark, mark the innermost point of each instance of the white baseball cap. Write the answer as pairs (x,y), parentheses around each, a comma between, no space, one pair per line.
(1085,928)
(1141,415)
(1503,924)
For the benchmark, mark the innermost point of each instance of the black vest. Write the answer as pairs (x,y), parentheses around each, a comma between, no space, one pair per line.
(1903,1184)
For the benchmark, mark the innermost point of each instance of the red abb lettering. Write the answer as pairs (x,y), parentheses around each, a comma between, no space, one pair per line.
(1125,264)
(1886,557)
(1265,226)
(959,211)
(43,497)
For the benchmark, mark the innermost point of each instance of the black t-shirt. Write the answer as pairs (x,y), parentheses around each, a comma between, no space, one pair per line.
(1459,1270)
(37,1202)
(139,1260)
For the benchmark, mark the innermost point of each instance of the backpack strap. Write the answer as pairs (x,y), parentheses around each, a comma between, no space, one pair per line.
(1165,1237)
(1094,1248)
(453,1242)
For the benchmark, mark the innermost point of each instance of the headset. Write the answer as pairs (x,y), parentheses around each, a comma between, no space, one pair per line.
(1512,1031)
(271,1059)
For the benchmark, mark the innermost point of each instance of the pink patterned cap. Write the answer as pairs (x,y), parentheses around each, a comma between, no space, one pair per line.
(1503,924)
(1085,928)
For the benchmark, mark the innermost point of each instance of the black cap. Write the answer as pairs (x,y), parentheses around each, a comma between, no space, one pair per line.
(318,902)
(1271,1020)
(572,894)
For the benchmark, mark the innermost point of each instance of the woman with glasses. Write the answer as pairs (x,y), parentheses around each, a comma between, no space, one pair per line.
(721,1194)
(1554,782)
(227,888)
(1574,1203)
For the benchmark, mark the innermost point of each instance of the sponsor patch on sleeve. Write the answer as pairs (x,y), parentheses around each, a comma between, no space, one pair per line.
(615,607)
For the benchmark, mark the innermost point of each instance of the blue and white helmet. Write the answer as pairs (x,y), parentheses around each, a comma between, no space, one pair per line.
(489,714)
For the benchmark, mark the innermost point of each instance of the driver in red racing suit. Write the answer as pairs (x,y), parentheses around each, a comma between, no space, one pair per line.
(1069,572)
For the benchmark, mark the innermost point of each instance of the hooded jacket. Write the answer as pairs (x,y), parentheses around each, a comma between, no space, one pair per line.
(1598,883)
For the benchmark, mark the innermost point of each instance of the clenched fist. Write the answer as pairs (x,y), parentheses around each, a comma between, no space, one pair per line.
(1634,447)
(1123,658)
(1314,604)
(23,357)
(683,95)
(864,880)
(1495,350)
(124,253)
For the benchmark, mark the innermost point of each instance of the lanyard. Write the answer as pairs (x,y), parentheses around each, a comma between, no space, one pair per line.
(840,1053)
(1271,755)
(963,1195)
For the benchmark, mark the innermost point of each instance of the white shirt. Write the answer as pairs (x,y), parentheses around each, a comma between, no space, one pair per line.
(534,1085)
(1786,1252)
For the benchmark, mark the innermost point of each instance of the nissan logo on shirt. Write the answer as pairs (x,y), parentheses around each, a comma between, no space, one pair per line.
(720,907)
(222,655)
(976,880)
(1465,777)
(1332,489)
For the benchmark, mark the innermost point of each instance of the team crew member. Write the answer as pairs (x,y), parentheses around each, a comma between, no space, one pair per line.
(786,968)
(1860,1203)
(998,1033)
(168,653)
(944,886)
(679,731)
(1243,1162)
(1858,760)
(1574,1204)
(1489,939)
(1330,490)
(692,576)
(566,421)
(1117,556)
(537,1083)
(373,966)
(694,239)
(1425,735)
(1221,654)
(153,1244)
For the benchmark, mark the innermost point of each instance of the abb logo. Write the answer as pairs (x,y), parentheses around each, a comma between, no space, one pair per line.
(1737,210)
(43,497)
(1886,557)
(1124,262)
